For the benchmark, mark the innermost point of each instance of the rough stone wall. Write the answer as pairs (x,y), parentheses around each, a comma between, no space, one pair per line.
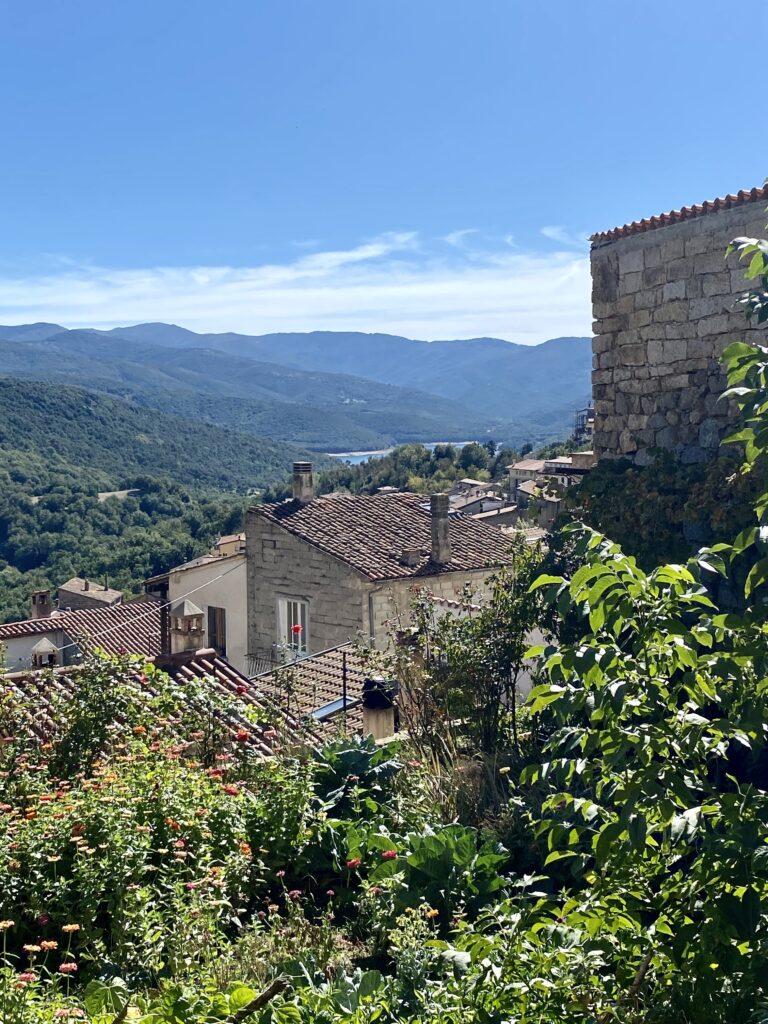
(664,303)
(391,601)
(280,565)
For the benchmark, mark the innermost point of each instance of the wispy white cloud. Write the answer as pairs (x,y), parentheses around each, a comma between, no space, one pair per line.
(557,233)
(394,283)
(458,238)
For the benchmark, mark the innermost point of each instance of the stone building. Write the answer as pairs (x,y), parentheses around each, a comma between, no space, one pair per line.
(665,306)
(78,593)
(322,571)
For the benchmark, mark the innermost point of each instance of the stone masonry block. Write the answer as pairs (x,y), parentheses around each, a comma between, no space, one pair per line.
(716,284)
(630,283)
(672,249)
(671,311)
(674,290)
(653,276)
(633,355)
(630,262)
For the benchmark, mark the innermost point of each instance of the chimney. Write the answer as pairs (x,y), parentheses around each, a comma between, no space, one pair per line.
(410,556)
(441,541)
(379,712)
(86,584)
(42,606)
(303,482)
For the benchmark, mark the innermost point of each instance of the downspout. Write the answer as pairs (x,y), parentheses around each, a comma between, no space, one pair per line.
(371,628)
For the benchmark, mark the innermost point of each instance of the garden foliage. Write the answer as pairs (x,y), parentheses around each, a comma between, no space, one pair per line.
(621,873)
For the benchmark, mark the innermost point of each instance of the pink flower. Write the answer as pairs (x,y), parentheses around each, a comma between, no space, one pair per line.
(43,919)
(68,968)
(354,862)
(295,893)
(27,976)
(388,854)
(330,892)
(280,874)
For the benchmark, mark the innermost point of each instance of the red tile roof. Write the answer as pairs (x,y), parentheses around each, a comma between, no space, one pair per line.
(684,213)
(304,686)
(132,628)
(370,533)
(235,701)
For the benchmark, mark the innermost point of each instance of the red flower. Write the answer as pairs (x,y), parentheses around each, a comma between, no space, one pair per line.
(354,862)
(297,629)
(241,690)
(388,854)
(242,735)
(231,790)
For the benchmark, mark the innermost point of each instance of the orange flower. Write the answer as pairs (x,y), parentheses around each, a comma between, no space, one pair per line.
(245,850)
(48,945)
(70,929)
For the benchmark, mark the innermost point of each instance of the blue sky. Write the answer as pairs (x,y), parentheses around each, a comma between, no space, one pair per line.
(425,167)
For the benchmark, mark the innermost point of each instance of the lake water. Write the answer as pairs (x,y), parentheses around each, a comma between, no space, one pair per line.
(355,458)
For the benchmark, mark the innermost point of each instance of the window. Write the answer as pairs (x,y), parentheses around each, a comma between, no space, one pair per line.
(292,625)
(217,630)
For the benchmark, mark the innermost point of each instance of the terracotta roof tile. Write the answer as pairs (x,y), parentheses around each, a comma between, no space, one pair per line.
(370,532)
(132,628)
(236,701)
(316,681)
(90,589)
(684,213)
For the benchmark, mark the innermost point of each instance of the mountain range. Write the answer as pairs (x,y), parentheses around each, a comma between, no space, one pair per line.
(323,390)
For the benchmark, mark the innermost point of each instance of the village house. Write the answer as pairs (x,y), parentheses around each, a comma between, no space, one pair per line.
(324,570)
(522,471)
(206,602)
(63,637)
(79,593)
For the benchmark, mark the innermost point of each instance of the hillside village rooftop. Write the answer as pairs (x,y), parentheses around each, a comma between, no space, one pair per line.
(371,532)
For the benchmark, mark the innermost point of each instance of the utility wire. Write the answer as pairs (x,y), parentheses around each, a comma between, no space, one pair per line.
(150,611)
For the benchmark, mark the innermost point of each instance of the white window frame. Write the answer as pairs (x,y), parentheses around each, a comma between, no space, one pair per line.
(293,611)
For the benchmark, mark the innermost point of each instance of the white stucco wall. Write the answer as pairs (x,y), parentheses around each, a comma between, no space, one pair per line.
(17,651)
(229,593)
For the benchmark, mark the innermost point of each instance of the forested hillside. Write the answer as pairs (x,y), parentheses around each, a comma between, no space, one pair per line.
(76,426)
(53,527)
(329,411)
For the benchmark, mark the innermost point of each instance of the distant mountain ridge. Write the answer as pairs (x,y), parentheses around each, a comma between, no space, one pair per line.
(480,373)
(327,390)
